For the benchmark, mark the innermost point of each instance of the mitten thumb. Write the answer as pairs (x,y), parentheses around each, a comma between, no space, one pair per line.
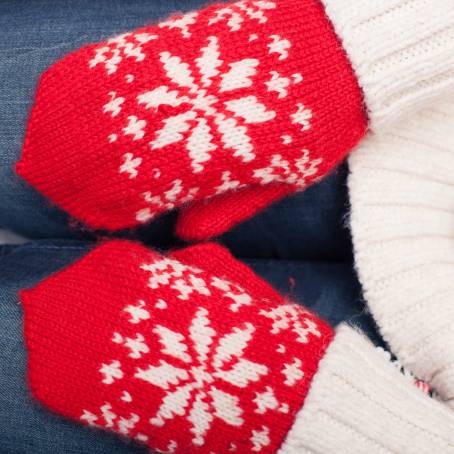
(213,217)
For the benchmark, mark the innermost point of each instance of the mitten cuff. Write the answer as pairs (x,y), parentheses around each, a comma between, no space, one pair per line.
(402,51)
(359,402)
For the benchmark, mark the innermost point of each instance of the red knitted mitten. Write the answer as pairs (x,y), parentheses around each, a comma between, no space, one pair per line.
(214,216)
(171,354)
(230,97)
(193,353)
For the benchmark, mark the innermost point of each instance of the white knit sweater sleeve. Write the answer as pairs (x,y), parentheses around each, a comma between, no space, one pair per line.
(360,403)
(401,50)
(401,188)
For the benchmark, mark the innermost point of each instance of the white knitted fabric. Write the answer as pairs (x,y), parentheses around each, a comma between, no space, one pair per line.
(402,219)
(401,50)
(359,403)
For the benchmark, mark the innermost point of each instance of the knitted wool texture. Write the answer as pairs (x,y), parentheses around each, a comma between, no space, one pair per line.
(215,104)
(401,194)
(248,94)
(402,63)
(169,354)
(193,353)
(359,403)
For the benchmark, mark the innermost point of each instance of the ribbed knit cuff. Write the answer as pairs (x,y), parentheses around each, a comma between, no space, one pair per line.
(359,403)
(402,51)
(403,240)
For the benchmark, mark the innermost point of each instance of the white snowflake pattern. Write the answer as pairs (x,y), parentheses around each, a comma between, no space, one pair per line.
(291,317)
(130,165)
(166,201)
(136,345)
(126,45)
(279,46)
(89,418)
(195,391)
(114,105)
(108,415)
(232,291)
(260,438)
(266,401)
(135,128)
(181,22)
(126,397)
(172,446)
(204,109)
(141,437)
(125,425)
(138,312)
(164,271)
(186,280)
(111,372)
(278,84)
(302,117)
(111,420)
(228,184)
(238,12)
(293,372)
(280,169)
(160,304)
(297,78)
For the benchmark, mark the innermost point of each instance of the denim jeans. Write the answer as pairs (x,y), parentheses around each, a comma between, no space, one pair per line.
(300,245)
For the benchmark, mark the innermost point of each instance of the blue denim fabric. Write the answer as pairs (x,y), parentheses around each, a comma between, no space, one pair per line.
(26,427)
(329,289)
(306,226)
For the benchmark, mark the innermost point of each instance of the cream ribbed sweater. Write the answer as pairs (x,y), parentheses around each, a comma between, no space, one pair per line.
(401,51)
(402,219)
(359,403)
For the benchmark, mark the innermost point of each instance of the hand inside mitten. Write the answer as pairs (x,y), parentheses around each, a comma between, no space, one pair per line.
(227,99)
(193,353)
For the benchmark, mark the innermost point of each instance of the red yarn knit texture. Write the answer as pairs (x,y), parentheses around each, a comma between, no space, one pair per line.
(214,216)
(190,353)
(249,93)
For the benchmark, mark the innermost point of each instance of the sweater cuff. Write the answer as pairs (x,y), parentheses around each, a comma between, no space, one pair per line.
(402,238)
(359,402)
(401,50)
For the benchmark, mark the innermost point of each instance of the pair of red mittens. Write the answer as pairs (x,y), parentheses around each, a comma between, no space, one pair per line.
(193,353)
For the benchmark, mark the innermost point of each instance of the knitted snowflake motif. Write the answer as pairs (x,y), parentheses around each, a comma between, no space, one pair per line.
(204,369)
(207,104)
(202,105)
(199,382)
